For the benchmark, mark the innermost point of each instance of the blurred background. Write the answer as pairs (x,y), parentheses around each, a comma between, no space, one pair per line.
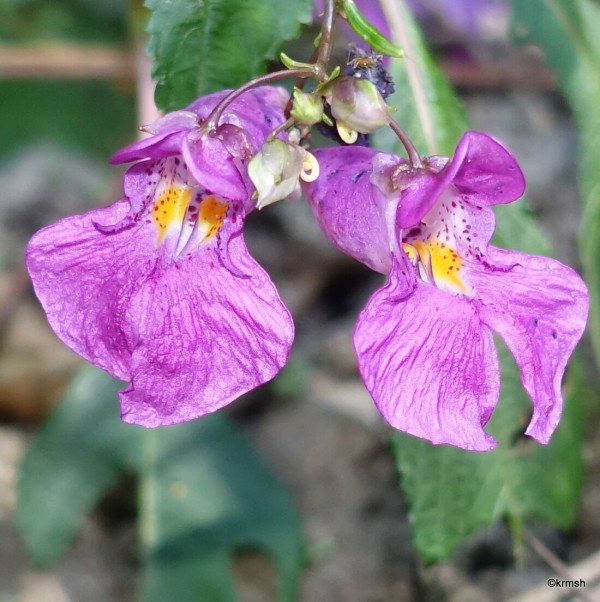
(73,89)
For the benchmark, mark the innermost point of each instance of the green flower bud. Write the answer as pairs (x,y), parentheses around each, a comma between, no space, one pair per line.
(307,108)
(357,104)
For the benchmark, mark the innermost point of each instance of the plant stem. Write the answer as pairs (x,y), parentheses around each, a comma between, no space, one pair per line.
(413,156)
(280,128)
(321,55)
(212,121)
(323,50)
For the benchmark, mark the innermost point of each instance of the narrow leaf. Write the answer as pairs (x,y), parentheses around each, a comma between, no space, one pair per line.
(205,494)
(79,453)
(368,32)
(200,46)
(452,492)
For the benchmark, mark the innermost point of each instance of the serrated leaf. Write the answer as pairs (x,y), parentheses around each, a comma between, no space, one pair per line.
(199,46)
(205,495)
(452,492)
(568,33)
(80,452)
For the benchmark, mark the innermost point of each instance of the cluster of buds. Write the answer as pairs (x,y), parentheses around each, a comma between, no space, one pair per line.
(356,106)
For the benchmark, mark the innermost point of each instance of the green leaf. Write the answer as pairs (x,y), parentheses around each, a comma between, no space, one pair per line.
(452,492)
(80,452)
(204,495)
(78,20)
(568,33)
(368,32)
(200,46)
(93,117)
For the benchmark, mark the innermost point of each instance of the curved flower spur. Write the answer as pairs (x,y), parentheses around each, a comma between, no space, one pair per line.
(424,341)
(159,289)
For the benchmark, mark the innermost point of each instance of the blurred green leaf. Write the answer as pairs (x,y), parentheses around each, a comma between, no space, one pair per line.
(568,33)
(452,492)
(80,452)
(205,495)
(63,20)
(91,116)
(200,46)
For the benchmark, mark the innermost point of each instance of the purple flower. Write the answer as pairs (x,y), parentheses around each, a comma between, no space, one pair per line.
(424,341)
(159,289)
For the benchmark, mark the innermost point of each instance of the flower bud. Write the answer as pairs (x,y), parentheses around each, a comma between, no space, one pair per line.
(276,168)
(307,108)
(357,104)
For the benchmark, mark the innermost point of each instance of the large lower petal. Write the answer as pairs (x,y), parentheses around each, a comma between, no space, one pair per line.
(206,336)
(429,363)
(539,307)
(84,278)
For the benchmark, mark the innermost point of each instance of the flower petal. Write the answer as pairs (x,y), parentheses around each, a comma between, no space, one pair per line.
(429,363)
(349,208)
(539,307)
(153,147)
(84,279)
(213,167)
(206,336)
(483,171)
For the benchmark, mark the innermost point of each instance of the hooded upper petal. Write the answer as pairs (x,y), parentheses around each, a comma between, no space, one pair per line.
(429,363)
(539,307)
(482,171)
(353,213)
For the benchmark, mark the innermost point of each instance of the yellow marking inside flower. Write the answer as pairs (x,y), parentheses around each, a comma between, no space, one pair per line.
(211,216)
(169,208)
(411,252)
(440,260)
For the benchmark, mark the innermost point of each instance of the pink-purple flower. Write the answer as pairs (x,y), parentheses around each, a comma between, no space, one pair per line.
(424,341)
(159,289)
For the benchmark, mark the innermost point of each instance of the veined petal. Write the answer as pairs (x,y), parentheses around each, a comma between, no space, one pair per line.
(429,363)
(84,279)
(539,307)
(206,336)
